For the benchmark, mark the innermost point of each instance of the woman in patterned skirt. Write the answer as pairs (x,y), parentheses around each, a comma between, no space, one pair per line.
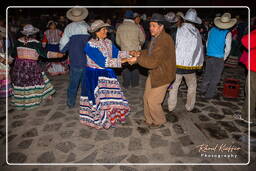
(51,41)
(5,83)
(102,102)
(30,84)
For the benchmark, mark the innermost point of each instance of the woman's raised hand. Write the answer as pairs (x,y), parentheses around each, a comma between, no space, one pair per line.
(123,60)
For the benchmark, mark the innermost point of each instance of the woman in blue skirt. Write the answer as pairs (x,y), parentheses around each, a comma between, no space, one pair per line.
(102,101)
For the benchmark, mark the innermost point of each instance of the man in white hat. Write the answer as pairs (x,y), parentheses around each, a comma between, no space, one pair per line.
(189,59)
(217,49)
(73,40)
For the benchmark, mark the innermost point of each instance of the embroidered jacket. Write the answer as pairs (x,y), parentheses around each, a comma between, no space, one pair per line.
(52,36)
(30,49)
(103,54)
(189,48)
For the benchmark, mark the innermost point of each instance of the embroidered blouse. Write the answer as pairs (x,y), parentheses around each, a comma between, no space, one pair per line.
(104,54)
(52,36)
(30,49)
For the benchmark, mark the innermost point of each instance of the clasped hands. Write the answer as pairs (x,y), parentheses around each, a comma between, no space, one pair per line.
(132,60)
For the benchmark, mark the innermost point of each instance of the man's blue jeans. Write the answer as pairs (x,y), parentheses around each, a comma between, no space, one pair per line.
(75,78)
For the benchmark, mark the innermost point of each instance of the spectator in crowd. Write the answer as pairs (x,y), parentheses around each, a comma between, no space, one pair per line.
(217,49)
(51,41)
(172,27)
(130,37)
(251,66)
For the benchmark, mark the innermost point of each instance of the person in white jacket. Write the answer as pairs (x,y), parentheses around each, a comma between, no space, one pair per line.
(189,59)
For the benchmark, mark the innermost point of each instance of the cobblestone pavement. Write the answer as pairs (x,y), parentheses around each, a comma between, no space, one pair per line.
(52,134)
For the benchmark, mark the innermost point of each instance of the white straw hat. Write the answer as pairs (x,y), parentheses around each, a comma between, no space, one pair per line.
(77,14)
(191,15)
(225,21)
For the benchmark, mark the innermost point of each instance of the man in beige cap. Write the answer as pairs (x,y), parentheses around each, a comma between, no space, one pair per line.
(217,50)
(73,40)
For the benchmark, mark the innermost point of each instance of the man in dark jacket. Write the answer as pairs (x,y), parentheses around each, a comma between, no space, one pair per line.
(73,40)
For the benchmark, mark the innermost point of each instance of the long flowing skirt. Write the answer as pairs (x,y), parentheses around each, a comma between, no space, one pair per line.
(5,84)
(102,102)
(30,85)
(56,66)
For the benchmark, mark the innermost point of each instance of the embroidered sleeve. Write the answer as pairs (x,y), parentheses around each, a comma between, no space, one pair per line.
(113,63)
(116,53)
(42,52)
(115,60)
(51,54)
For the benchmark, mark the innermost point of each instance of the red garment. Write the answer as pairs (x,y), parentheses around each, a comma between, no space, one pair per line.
(244,57)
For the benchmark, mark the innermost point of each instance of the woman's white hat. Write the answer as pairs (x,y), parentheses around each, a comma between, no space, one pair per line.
(29,29)
(97,24)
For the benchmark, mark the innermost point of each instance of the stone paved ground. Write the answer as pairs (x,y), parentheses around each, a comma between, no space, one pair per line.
(52,134)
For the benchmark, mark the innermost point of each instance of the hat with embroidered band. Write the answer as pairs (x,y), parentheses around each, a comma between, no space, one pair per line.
(29,29)
(97,24)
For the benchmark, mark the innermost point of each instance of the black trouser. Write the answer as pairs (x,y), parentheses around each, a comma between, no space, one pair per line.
(130,76)
(212,76)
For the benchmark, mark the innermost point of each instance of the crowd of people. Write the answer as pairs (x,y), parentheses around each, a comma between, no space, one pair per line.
(170,46)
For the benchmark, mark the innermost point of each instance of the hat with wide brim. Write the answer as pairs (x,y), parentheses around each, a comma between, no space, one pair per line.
(225,21)
(51,22)
(191,16)
(180,14)
(156,17)
(171,17)
(2,31)
(96,25)
(29,29)
(77,14)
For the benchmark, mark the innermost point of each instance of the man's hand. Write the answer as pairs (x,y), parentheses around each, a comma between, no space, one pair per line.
(134,53)
(132,60)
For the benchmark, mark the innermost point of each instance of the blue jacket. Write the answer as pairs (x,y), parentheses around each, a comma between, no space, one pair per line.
(75,48)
